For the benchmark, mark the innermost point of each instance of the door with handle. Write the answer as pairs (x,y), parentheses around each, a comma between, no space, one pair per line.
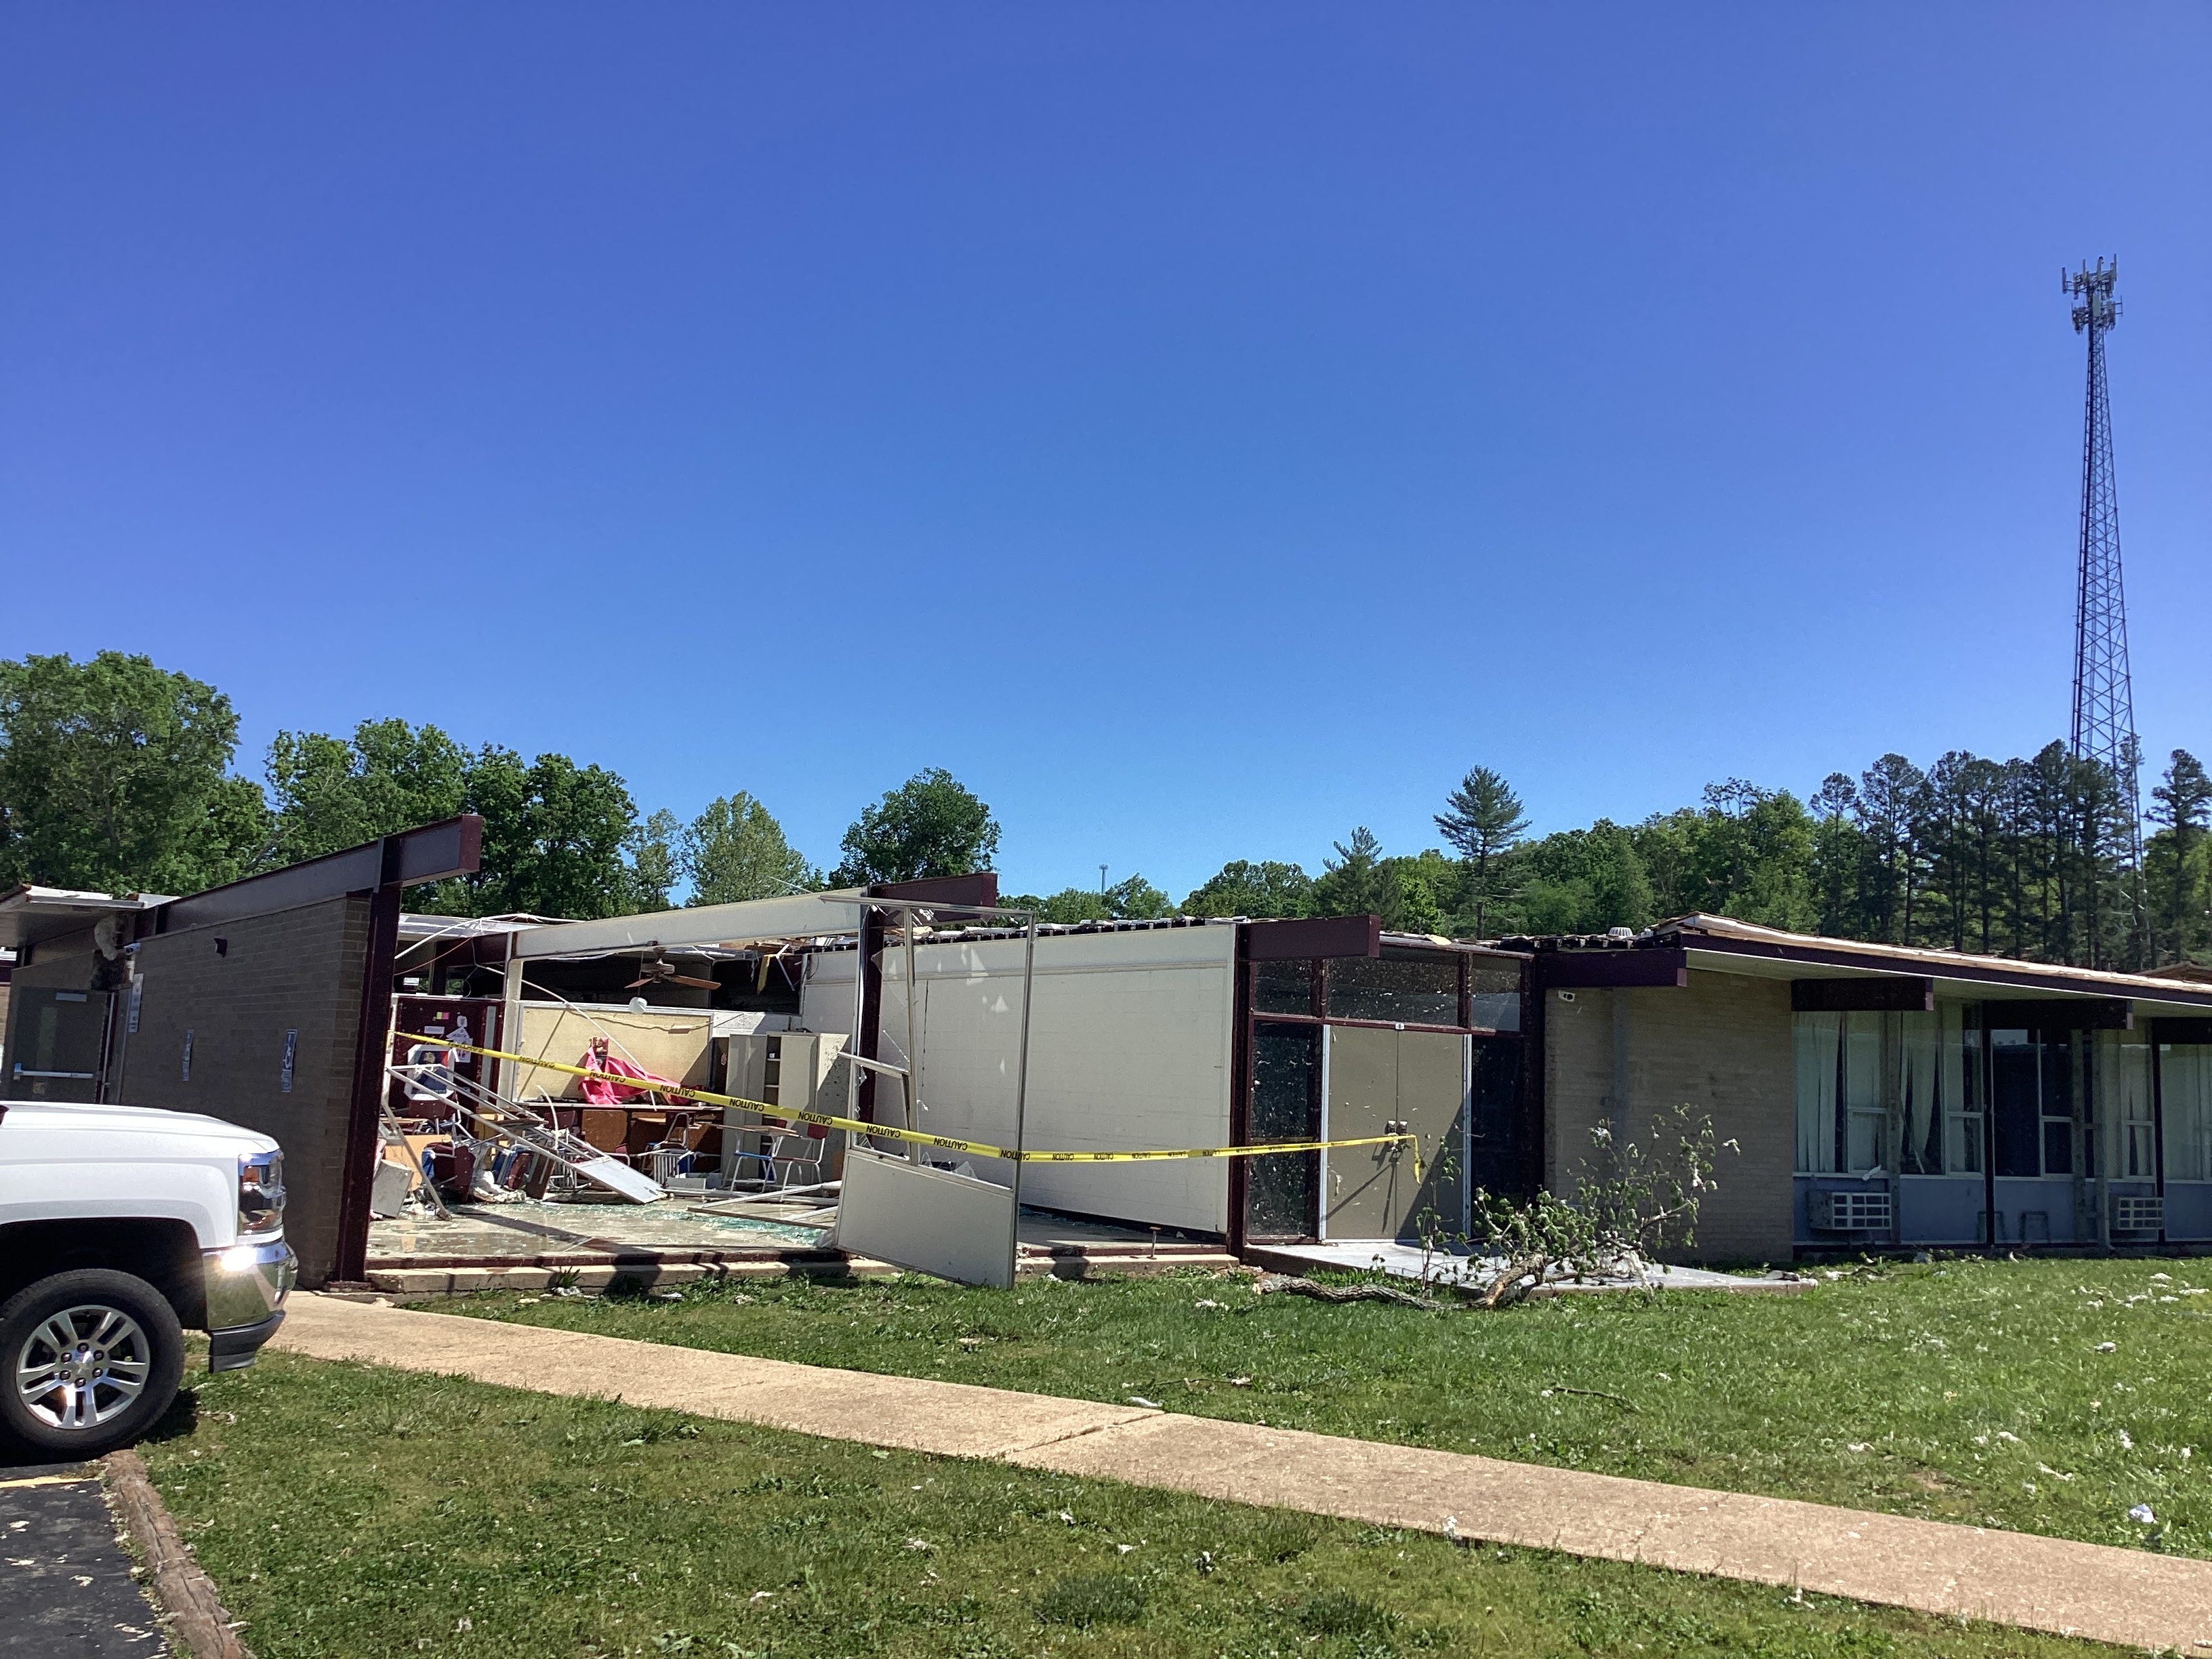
(60,1038)
(1384,1082)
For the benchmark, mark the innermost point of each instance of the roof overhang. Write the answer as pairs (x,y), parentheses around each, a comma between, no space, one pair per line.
(1721,945)
(31,914)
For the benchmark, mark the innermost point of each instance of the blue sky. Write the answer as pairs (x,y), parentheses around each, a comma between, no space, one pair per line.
(1202,427)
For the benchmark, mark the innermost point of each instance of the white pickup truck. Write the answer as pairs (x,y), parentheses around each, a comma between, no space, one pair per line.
(119,1227)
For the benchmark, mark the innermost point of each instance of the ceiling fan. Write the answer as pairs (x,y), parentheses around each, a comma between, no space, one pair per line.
(661,971)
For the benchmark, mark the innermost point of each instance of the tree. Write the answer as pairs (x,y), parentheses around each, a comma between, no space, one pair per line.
(1892,807)
(930,825)
(1583,881)
(1355,883)
(1133,899)
(1838,851)
(1266,889)
(1482,817)
(2175,855)
(554,838)
(335,792)
(114,777)
(735,850)
(655,865)
(1069,906)
(1416,908)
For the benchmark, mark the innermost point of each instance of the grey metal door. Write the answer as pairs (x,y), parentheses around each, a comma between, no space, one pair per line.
(60,1038)
(1392,1082)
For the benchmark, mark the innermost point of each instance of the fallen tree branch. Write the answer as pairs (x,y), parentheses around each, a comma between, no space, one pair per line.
(1290,1283)
(1514,1282)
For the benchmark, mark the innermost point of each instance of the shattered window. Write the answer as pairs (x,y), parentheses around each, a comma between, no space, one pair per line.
(1494,994)
(1285,1082)
(1284,987)
(1416,989)
(1282,1191)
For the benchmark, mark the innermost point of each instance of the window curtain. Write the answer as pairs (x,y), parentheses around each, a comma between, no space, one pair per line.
(1816,1037)
(1920,1096)
(2123,1094)
(2186,1079)
(1863,1092)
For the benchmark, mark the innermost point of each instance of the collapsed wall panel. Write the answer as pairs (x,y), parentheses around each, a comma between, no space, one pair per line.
(932,1221)
(1129,1047)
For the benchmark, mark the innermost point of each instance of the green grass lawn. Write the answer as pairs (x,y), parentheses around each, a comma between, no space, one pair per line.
(1965,1390)
(355,1513)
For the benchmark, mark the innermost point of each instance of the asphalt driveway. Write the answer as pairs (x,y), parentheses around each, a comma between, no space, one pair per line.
(66,1590)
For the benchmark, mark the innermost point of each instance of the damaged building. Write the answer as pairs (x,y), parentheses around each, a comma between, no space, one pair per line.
(636,1096)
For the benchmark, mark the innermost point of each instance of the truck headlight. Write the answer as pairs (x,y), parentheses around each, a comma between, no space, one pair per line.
(261,1194)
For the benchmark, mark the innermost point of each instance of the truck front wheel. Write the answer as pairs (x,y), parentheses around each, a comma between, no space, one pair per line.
(93,1359)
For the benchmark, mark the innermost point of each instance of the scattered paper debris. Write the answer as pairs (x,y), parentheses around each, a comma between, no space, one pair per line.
(2142,1513)
(1149,1405)
(2108,1347)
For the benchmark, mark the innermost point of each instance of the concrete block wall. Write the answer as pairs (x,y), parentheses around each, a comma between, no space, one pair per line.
(1722,1045)
(292,970)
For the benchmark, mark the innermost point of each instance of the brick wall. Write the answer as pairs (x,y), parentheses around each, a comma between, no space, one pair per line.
(1722,1044)
(293,971)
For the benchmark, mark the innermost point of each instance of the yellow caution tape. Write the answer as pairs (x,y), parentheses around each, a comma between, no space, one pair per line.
(980,1148)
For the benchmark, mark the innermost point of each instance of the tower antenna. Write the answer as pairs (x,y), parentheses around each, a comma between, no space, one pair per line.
(2104,728)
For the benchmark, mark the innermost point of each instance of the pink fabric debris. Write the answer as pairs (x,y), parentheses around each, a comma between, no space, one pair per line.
(599,1091)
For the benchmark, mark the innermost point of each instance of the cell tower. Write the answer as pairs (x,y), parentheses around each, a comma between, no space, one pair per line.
(2103,701)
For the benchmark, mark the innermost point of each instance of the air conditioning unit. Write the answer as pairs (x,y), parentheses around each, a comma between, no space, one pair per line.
(1868,1210)
(2134,1213)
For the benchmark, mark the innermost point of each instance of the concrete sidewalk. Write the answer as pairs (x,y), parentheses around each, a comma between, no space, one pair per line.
(2125,1597)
